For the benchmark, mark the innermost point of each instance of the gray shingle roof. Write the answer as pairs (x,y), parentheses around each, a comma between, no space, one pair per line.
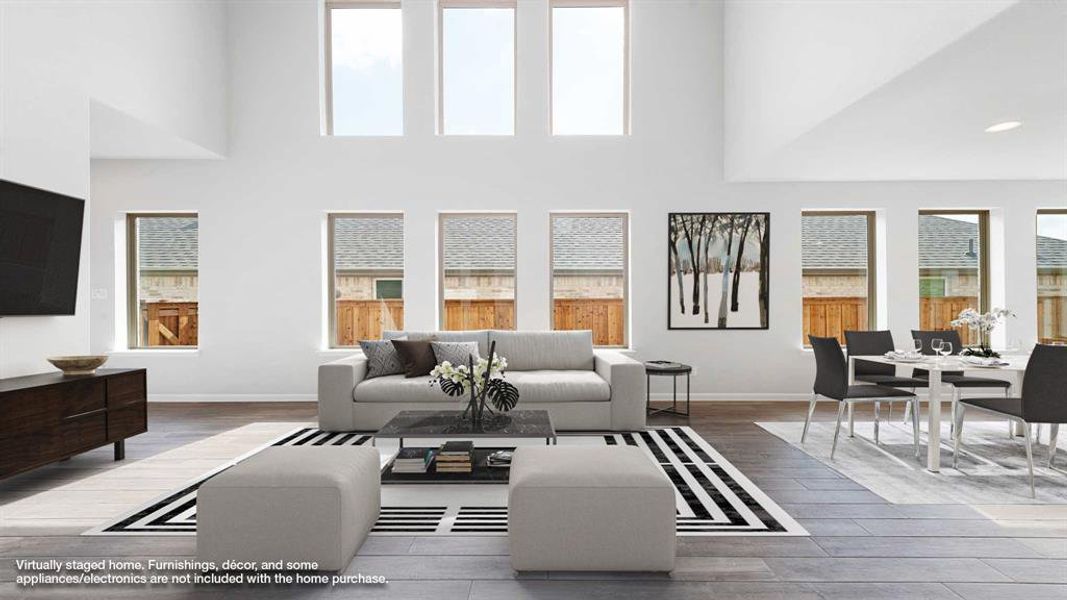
(581,243)
(479,243)
(167,243)
(834,243)
(944,243)
(369,243)
(588,243)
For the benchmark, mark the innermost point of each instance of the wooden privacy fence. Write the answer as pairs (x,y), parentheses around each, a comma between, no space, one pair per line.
(832,316)
(479,314)
(169,323)
(365,319)
(1050,325)
(606,317)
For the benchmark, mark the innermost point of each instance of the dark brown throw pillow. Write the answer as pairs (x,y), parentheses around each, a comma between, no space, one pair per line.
(417,356)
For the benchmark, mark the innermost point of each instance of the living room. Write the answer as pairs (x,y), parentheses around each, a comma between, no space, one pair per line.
(288,215)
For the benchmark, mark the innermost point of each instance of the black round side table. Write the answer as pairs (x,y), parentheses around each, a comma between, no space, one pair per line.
(666,368)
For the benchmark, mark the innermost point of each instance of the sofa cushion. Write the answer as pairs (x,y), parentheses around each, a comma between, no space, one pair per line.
(417,356)
(398,388)
(534,387)
(382,358)
(481,336)
(559,386)
(536,350)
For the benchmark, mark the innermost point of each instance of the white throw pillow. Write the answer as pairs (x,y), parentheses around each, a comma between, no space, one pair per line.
(457,353)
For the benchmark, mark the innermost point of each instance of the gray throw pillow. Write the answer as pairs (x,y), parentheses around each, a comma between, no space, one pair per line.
(456,353)
(382,358)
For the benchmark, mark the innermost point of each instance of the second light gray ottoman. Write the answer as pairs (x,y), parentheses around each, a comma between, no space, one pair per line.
(575,508)
(291,503)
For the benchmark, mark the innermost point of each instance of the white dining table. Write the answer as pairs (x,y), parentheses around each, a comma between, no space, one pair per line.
(936,365)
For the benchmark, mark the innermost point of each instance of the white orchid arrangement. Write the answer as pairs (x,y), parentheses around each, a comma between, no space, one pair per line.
(983,324)
(460,374)
(482,381)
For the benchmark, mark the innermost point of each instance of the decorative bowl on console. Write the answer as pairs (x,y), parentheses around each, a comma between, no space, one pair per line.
(77,365)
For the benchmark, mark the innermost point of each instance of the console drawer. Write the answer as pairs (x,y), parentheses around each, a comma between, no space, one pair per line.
(83,433)
(126,421)
(125,389)
(82,397)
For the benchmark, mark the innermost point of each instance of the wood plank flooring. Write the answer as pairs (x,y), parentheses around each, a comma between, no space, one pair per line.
(860,545)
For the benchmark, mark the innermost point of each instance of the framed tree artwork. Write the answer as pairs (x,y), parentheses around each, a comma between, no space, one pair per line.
(718,267)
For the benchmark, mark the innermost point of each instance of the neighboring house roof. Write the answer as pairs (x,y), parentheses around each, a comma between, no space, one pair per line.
(479,243)
(944,243)
(588,243)
(838,243)
(369,244)
(167,243)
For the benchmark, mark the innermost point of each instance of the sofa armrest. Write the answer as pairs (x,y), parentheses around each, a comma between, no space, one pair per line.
(626,377)
(337,381)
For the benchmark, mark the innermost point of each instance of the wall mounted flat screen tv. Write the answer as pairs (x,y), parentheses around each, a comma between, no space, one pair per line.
(40,247)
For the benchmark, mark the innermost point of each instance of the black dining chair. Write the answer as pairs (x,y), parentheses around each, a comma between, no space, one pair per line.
(868,343)
(831,382)
(1041,401)
(957,379)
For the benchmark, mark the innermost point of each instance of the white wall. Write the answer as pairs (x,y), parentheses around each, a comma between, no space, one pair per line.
(262,210)
(44,142)
(55,56)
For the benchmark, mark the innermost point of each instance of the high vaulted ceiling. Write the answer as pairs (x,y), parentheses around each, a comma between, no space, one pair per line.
(893,90)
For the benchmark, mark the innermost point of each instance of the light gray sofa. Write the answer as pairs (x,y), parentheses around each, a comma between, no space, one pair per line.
(557,371)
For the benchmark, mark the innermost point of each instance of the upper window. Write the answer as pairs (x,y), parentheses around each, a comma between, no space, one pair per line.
(366,276)
(589,266)
(590,68)
(162,286)
(477,64)
(837,254)
(953,267)
(477,271)
(365,68)
(1052,276)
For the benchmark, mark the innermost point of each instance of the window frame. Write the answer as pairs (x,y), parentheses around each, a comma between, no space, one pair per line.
(552,216)
(133,280)
(872,260)
(441,217)
(331,271)
(1037,267)
(983,250)
(328,8)
(625,5)
(442,5)
(376,280)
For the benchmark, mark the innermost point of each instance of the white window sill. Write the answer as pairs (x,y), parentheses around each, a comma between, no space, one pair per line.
(155,352)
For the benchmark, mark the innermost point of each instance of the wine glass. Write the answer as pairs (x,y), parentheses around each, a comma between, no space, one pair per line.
(918,346)
(935,345)
(946,348)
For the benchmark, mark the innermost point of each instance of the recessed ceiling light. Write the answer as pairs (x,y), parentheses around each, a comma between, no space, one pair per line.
(1005,126)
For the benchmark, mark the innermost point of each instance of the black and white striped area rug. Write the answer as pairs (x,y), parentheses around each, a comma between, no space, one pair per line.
(713,497)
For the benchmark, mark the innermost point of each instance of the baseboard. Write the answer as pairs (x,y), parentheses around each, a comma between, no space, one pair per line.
(231,397)
(731,397)
(656,397)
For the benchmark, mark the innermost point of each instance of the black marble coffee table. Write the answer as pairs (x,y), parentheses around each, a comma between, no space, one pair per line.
(448,424)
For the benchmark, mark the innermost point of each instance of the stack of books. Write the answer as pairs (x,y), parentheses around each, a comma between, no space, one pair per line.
(413,460)
(455,457)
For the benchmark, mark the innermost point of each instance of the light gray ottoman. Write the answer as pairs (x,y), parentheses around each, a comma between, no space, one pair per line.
(291,503)
(574,508)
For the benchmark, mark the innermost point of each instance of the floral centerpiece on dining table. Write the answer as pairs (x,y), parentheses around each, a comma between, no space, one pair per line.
(482,381)
(983,324)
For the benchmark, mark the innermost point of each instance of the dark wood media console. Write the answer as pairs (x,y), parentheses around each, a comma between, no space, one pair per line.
(51,417)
